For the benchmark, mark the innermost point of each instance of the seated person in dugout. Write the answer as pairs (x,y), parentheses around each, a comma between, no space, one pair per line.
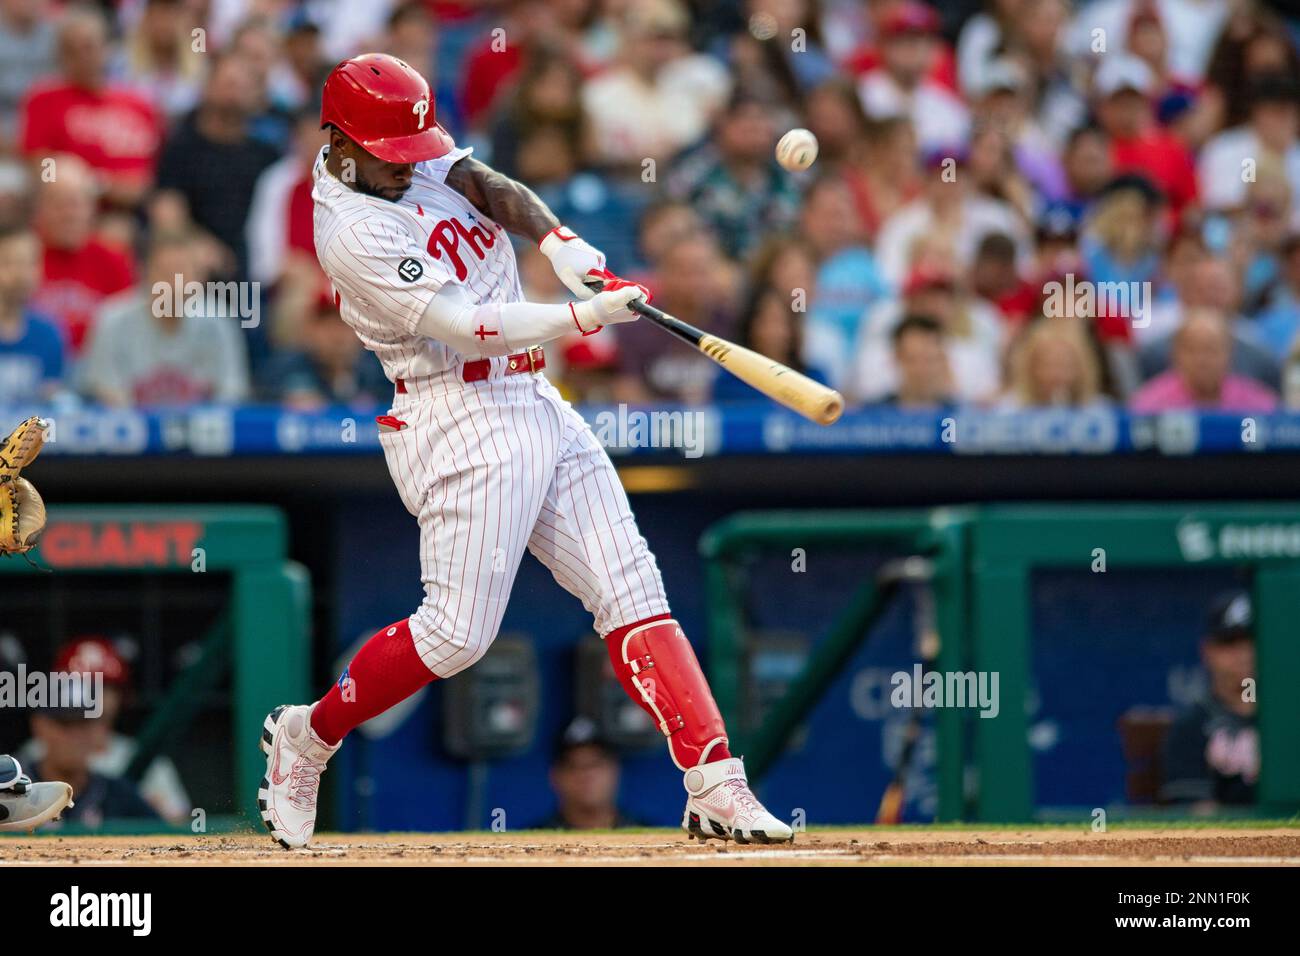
(1211,755)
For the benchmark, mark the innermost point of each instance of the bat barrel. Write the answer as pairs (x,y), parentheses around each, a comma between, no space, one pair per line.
(795,391)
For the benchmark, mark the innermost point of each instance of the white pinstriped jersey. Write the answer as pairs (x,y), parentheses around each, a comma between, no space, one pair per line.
(386,260)
(492,467)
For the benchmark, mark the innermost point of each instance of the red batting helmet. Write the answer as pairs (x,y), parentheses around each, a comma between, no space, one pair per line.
(93,654)
(386,107)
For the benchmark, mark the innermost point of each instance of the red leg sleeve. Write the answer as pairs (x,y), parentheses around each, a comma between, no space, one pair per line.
(385,671)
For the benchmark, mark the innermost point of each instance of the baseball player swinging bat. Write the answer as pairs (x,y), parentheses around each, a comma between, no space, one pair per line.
(486,455)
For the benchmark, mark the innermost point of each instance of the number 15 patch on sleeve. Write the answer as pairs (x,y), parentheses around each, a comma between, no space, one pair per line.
(410,269)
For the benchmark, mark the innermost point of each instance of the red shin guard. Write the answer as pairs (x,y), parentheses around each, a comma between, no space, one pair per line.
(658,669)
(385,671)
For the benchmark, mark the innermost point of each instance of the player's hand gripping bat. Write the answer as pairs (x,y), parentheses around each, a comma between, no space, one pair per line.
(810,399)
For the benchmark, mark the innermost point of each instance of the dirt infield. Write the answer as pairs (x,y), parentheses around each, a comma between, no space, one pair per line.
(867,846)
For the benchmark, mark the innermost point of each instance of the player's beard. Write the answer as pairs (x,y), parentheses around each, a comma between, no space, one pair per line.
(390,193)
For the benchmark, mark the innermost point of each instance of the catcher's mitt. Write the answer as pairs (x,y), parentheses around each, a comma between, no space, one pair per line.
(22,512)
(22,516)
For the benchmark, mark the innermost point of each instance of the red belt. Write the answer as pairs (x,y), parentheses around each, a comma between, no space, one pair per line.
(529,360)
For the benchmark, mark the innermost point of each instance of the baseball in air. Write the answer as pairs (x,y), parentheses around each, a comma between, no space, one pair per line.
(796,150)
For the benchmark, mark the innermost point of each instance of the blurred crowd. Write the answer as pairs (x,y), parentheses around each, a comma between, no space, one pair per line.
(1022,204)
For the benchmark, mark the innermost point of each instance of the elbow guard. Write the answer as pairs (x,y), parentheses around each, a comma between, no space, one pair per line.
(468,327)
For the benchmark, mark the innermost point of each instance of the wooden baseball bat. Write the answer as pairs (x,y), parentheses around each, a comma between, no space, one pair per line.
(810,399)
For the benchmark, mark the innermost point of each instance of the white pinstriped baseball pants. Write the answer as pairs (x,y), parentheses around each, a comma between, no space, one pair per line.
(491,468)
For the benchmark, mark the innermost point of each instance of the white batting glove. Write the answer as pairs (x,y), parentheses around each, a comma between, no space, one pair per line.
(606,308)
(572,259)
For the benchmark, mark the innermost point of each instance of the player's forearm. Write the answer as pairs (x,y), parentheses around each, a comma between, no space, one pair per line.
(500,328)
(495,328)
(502,199)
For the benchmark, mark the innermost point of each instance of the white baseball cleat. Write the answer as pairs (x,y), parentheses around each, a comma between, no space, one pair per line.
(25,805)
(720,805)
(295,759)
